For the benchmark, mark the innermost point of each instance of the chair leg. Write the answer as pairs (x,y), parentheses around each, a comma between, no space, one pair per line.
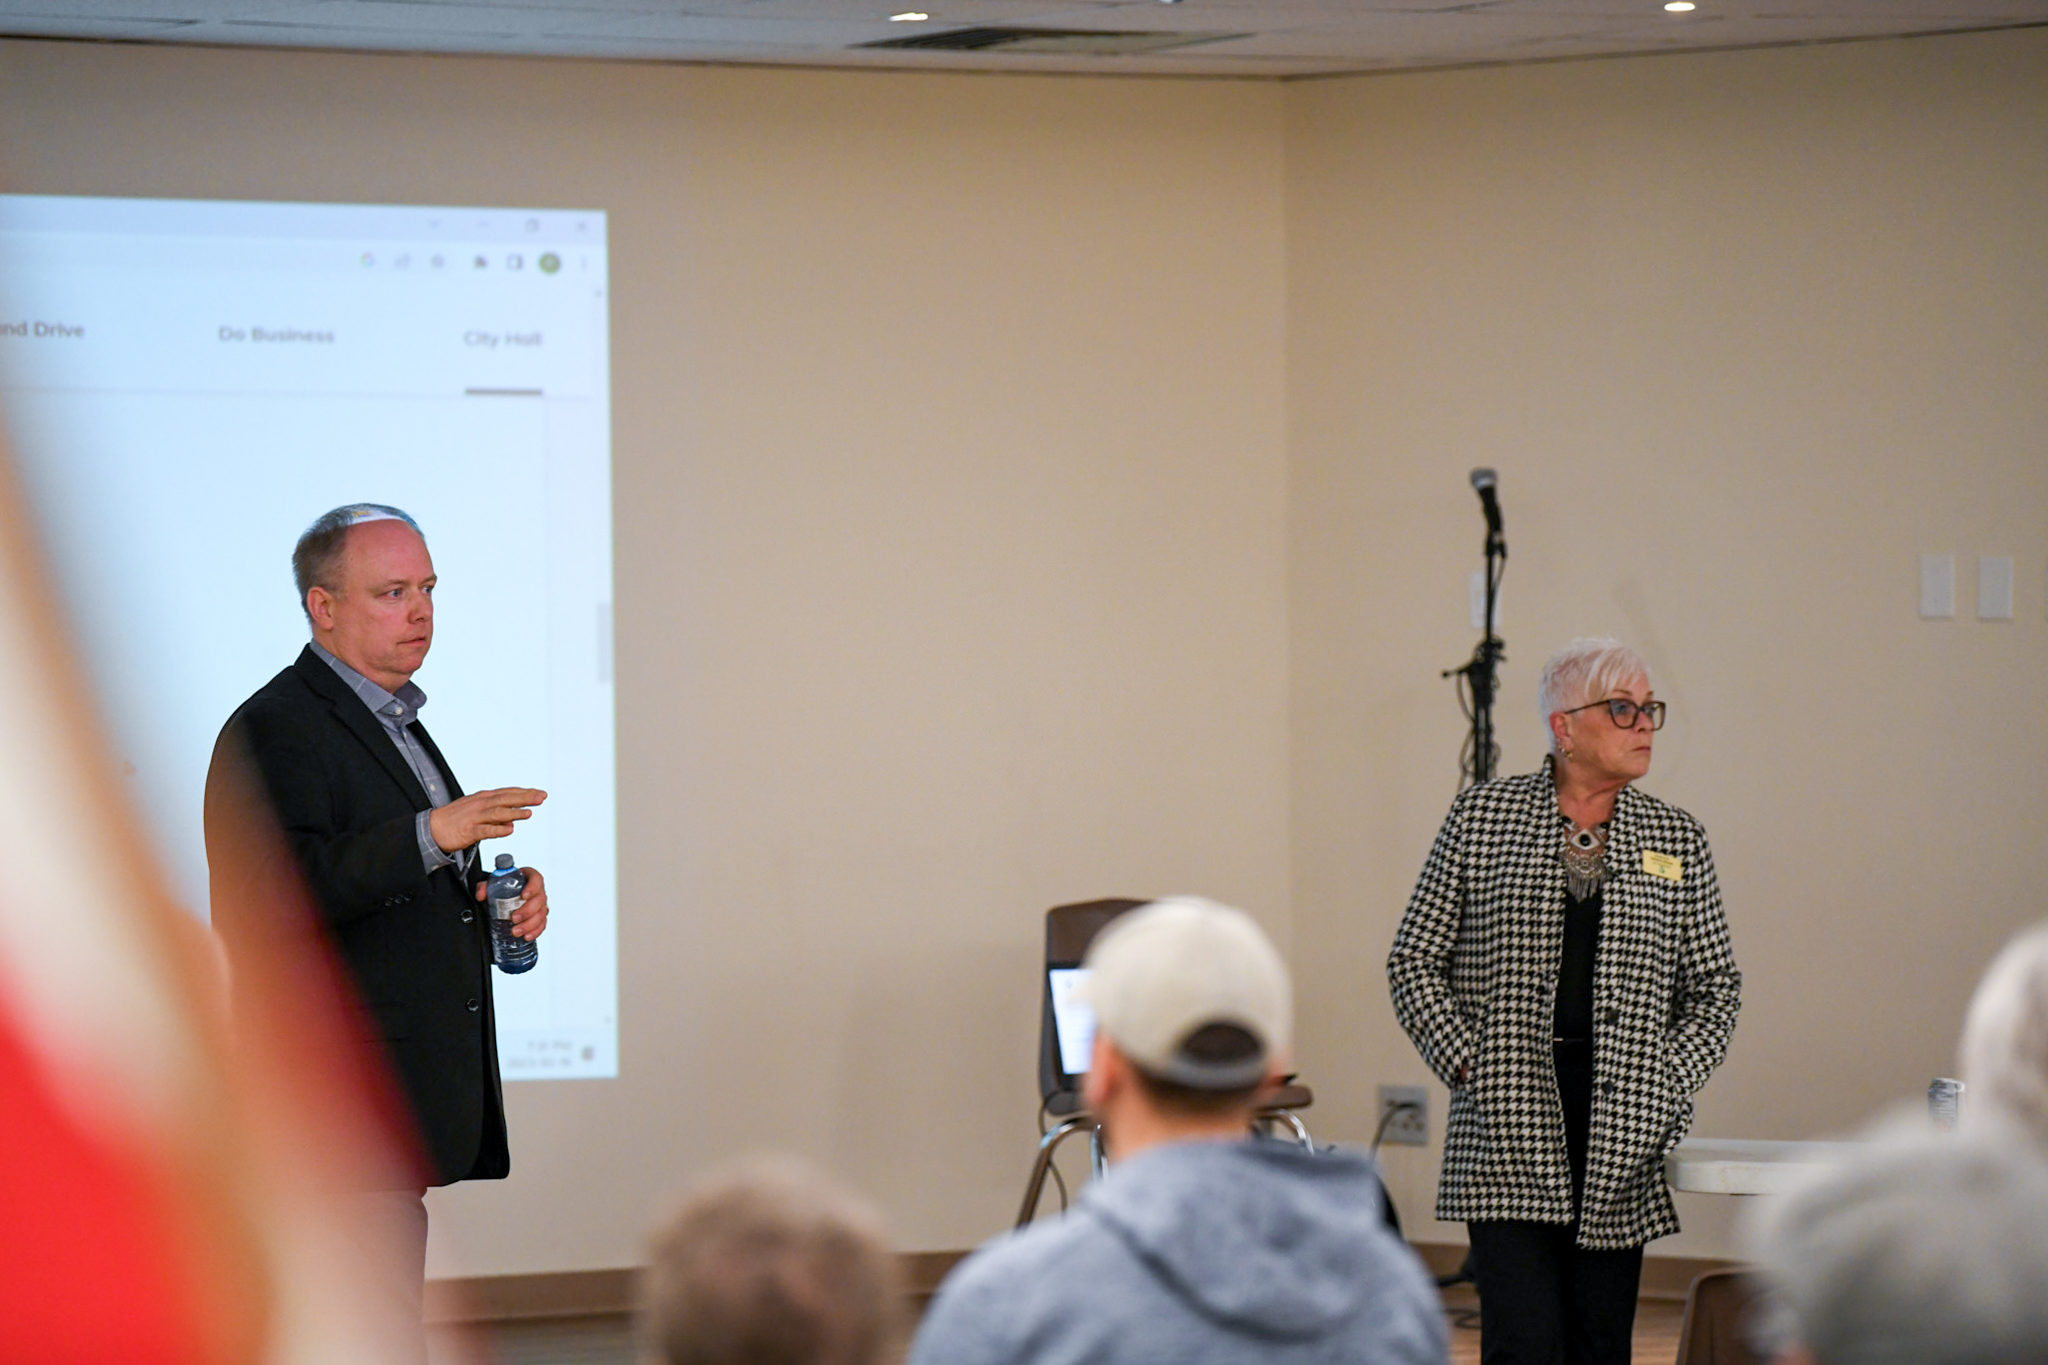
(1047,1145)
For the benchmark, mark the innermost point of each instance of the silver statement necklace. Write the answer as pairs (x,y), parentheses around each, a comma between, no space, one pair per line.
(1584,856)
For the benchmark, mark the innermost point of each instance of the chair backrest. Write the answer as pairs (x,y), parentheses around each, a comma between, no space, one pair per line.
(1714,1330)
(1069,929)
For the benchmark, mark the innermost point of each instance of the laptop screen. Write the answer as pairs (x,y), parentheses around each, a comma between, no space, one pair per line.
(1073,1022)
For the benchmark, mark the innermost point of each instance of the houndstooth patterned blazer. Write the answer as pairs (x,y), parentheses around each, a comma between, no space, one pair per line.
(1474,975)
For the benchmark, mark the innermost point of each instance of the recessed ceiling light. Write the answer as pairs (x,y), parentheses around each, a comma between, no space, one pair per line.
(1680,6)
(912,16)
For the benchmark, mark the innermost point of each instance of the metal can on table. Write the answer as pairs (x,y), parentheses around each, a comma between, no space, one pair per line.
(1945,1103)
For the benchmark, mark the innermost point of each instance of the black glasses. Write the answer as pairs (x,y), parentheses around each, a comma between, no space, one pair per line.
(1624,712)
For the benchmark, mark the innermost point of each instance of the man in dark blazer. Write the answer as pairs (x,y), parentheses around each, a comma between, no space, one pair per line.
(387,844)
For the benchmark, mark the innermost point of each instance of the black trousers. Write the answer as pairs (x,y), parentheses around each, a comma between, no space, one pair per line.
(1544,1299)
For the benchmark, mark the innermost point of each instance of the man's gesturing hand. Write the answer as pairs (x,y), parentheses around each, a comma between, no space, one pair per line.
(530,920)
(481,815)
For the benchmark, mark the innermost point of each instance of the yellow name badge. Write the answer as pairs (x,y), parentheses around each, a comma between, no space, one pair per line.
(1663,865)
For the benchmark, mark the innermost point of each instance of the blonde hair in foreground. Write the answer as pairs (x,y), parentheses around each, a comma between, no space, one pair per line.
(770,1263)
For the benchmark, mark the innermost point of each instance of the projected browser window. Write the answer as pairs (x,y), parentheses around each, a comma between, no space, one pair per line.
(189,384)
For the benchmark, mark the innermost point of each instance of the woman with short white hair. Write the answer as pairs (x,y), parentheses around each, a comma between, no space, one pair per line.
(1564,967)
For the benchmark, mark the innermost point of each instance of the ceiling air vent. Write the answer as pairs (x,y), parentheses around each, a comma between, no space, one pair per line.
(1063,41)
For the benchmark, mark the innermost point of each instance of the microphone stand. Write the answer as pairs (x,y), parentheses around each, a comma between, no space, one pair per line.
(1476,677)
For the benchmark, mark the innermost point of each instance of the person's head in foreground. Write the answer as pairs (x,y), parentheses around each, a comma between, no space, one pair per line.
(1193,1016)
(1917,1249)
(2005,1036)
(770,1263)
(1202,1243)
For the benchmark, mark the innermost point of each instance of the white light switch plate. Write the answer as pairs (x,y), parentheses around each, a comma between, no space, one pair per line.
(1994,587)
(1937,586)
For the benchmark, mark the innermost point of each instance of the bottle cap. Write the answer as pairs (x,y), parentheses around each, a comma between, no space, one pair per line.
(504,862)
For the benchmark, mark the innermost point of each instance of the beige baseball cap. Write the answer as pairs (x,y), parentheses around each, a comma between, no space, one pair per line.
(1165,970)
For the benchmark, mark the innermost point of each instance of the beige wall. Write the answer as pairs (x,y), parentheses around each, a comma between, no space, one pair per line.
(1745,335)
(1030,489)
(950,517)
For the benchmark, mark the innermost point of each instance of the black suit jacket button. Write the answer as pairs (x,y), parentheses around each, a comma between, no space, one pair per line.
(1613,1016)
(1606,1087)
(401,900)
(469,917)
(473,1007)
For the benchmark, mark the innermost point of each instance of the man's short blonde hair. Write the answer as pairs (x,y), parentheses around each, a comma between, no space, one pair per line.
(770,1263)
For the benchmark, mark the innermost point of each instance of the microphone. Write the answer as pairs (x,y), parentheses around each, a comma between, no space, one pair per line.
(1483,480)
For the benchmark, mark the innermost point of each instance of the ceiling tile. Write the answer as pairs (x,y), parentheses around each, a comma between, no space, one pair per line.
(398,16)
(111,25)
(1283,37)
(726,30)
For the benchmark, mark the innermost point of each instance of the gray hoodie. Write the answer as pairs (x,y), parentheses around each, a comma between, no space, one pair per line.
(1197,1252)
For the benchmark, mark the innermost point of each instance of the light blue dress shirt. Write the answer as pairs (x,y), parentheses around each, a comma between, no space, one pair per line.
(397,711)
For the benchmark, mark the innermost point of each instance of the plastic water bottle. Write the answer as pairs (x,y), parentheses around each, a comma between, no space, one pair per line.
(507,888)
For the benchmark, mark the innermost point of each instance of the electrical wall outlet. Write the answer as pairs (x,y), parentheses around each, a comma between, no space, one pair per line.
(1404,1115)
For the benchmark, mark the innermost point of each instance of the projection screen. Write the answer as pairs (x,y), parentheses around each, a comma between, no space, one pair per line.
(189,384)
